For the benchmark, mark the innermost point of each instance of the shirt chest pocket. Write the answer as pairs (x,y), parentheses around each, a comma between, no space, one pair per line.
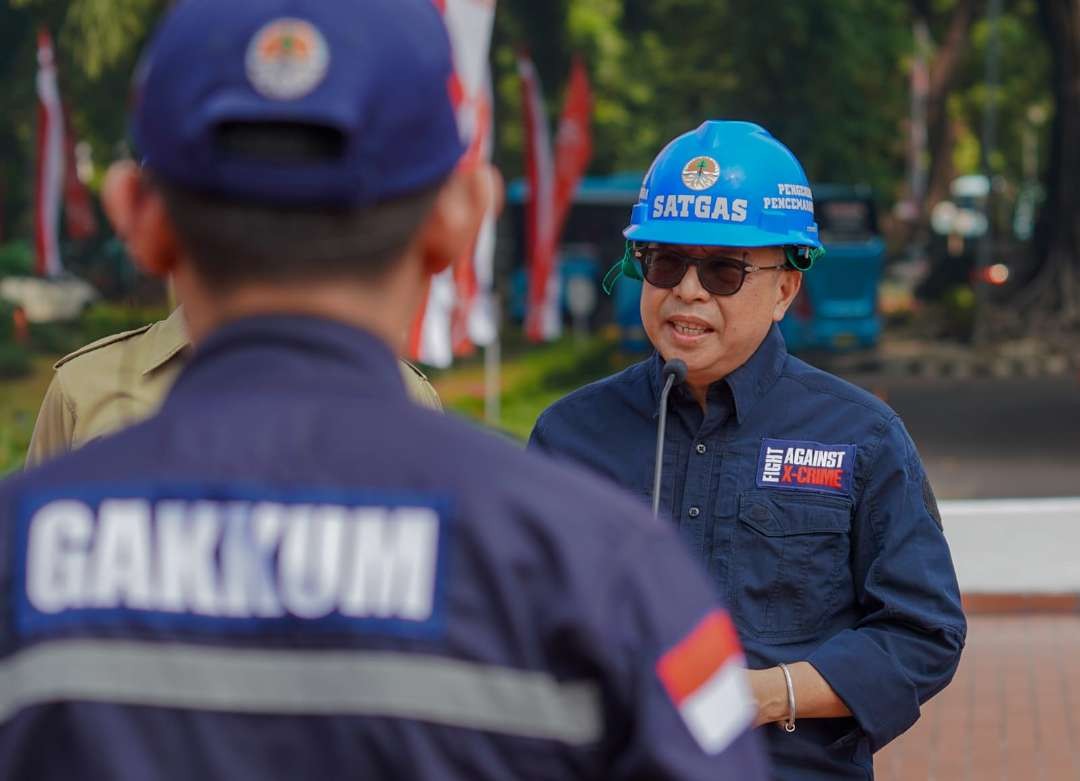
(790,562)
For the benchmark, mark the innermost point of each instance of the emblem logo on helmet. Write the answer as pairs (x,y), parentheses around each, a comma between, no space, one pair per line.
(701,173)
(287,59)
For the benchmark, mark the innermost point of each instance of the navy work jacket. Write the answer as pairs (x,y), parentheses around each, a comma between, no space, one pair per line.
(804,499)
(292,571)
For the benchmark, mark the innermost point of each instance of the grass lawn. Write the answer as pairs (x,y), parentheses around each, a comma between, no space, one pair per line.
(532,378)
(19,402)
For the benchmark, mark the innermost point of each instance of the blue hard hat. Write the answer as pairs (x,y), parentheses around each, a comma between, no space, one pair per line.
(373,74)
(725,184)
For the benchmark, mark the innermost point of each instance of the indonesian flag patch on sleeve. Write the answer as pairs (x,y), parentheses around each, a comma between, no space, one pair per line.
(703,674)
(806,466)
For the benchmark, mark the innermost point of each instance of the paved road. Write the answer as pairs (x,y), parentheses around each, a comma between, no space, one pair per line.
(991,438)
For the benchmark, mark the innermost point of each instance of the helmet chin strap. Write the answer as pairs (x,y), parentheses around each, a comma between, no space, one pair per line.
(624,266)
(803,258)
(799,258)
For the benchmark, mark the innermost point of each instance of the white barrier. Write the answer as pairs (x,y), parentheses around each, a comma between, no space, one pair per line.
(1015,546)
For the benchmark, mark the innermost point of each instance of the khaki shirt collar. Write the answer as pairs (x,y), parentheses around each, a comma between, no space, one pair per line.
(166,340)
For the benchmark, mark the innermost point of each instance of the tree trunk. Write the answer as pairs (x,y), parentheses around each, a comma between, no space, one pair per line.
(940,133)
(943,74)
(1053,288)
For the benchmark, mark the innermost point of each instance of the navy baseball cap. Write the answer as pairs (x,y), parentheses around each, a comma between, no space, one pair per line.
(373,76)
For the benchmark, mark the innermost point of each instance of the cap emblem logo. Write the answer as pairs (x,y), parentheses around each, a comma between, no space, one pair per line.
(287,59)
(701,173)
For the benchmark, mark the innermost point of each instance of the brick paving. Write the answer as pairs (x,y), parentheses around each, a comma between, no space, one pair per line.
(1012,711)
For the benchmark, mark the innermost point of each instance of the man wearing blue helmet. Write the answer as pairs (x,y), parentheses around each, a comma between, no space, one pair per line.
(801,495)
(291,571)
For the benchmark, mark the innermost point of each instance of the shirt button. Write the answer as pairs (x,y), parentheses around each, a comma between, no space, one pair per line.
(701,448)
(693,512)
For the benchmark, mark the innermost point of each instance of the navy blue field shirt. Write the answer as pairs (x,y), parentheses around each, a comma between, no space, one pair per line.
(292,571)
(806,502)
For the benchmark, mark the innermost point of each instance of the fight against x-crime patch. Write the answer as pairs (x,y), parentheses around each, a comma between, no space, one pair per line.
(805,466)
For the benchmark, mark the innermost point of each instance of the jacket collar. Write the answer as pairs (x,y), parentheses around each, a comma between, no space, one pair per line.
(748,383)
(342,357)
(166,340)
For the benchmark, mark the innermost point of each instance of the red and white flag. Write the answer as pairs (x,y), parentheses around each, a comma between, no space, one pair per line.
(552,184)
(573,142)
(542,316)
(50,162)
(705,677)
(458,311)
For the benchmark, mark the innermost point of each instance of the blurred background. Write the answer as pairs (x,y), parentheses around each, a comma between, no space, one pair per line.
(943,141)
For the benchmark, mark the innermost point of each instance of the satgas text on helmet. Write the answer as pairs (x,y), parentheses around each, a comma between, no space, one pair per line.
(233,559)
(703,207)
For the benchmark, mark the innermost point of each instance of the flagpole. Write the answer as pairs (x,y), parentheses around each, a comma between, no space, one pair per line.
(492,369)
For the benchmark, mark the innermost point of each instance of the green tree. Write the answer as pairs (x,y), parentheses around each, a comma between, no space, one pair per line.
(97,42)
(1054,286)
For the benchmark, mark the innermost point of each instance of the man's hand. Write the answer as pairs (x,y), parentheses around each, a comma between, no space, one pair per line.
(814,698)
(770,693)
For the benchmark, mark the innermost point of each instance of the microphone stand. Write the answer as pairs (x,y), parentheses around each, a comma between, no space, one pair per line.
(675,371)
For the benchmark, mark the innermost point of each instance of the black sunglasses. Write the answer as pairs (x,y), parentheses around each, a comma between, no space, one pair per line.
(722,276)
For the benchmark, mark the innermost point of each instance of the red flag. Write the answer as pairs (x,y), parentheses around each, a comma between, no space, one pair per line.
(78,207)
(552,188)
(573,142)
(542,317)
(50,162)
(703,674)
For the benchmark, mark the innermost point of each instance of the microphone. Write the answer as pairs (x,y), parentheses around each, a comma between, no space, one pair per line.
(674,373)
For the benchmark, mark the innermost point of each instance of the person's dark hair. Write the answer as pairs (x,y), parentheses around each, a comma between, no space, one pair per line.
(231,243)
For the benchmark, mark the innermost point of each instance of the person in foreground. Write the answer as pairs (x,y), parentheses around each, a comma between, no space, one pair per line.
(291,570)
(801,496)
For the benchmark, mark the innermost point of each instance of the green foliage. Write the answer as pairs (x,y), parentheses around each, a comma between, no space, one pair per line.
(532,379)
(99,321)
(105,319)
(7,321)
(97,42)
(20,398)
(14,360)
(1022,100)
(56,338)
(16,259)
(828,78)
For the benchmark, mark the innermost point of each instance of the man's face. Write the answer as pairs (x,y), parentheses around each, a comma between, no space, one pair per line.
(717,334)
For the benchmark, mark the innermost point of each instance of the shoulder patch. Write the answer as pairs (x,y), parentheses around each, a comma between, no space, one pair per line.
(703,676)
(103,342)
(797,465)
(931,502)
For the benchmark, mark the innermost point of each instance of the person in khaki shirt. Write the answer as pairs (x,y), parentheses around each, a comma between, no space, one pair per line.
(122,379)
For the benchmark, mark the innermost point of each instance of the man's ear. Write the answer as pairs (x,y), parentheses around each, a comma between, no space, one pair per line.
(456,217)
(787,288)
(138,214)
